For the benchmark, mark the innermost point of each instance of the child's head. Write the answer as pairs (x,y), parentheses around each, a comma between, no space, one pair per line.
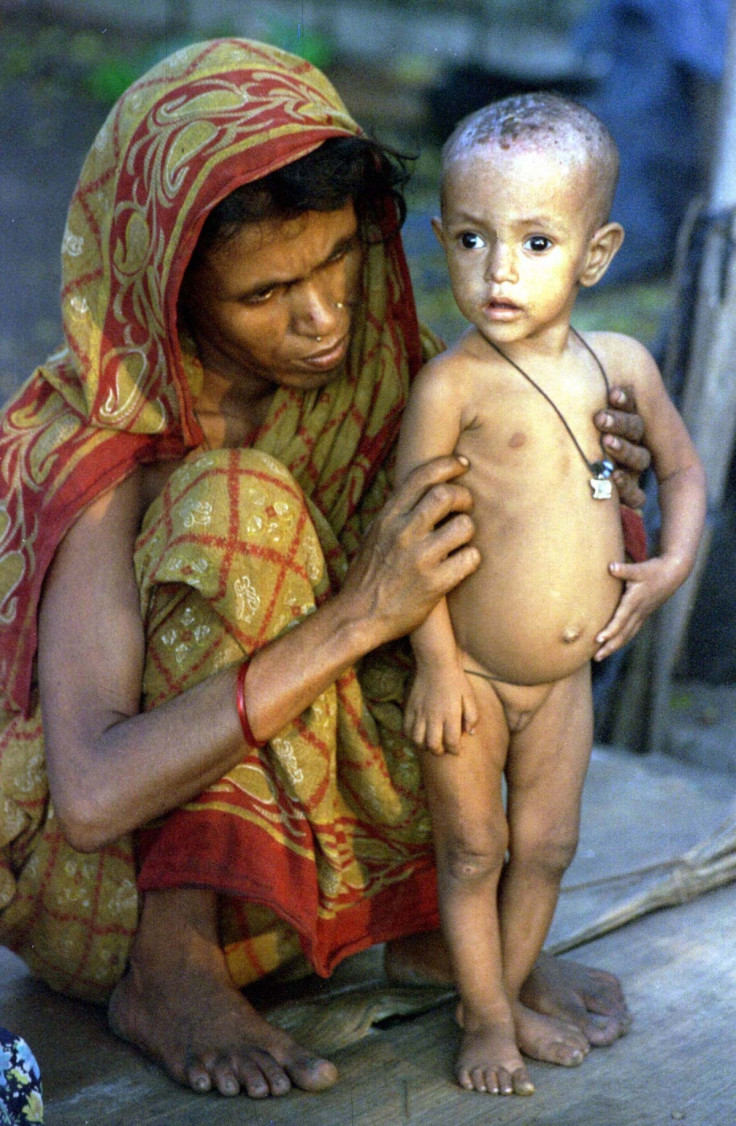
(550,127)
(526,190)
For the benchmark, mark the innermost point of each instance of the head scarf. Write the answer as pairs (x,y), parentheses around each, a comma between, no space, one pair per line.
(207,119)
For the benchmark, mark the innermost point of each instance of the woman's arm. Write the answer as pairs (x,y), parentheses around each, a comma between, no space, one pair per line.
(111,767)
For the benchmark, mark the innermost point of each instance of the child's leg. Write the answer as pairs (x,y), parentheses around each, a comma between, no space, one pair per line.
(470,836)
(547,762)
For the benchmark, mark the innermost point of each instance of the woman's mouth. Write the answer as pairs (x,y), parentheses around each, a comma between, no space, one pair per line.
(328,356)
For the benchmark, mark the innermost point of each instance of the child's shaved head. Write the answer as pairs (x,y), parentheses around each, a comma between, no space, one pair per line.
(552,124)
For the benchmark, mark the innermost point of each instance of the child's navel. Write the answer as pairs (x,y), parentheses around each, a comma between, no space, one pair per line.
(517,439)
(571,634)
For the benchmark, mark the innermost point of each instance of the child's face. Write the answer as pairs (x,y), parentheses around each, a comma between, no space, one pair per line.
(518,232)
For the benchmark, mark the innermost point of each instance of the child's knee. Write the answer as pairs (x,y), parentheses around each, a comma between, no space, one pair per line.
(548,852)
(474,858)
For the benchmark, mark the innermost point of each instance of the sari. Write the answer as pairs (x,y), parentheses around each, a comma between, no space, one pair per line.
(319,843)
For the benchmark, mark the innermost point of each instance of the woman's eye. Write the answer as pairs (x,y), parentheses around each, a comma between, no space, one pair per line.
(538,243)
(259,297)
(471,241)
(345,249)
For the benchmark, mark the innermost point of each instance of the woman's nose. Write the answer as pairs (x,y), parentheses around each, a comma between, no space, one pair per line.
(315,311)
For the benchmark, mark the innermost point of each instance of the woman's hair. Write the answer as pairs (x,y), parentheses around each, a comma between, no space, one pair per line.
(340,170)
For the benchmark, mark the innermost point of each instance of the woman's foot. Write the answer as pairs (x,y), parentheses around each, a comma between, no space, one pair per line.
(420,959)
(591,1000)
(179,1005)
(548,1039)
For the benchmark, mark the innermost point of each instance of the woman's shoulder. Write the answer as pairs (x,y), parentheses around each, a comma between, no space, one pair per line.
(118,512)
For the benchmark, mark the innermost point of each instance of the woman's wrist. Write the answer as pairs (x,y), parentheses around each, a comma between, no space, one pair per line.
(240,703)
(284,677)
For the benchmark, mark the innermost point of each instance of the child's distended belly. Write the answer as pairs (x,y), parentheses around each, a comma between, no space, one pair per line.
(531,612)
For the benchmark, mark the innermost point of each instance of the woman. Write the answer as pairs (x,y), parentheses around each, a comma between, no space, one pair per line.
(201,475)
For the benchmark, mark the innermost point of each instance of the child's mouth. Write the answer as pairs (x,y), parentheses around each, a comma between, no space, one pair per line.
(501,307)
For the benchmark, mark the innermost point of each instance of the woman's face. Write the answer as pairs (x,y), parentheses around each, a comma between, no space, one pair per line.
(273,304)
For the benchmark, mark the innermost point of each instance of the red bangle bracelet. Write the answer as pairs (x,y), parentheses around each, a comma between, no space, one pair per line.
(240,701)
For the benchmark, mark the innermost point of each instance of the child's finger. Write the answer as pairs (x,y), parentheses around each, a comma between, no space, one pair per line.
(452,733)
(628,572)
(417,730)
(434,739)
(452,738)
(624,625)
(470,714)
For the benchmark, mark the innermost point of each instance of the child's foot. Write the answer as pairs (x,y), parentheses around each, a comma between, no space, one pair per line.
(548,1039)
(489,1061)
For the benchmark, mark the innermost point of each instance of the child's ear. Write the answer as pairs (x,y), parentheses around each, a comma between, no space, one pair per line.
(439,231)
(604,244)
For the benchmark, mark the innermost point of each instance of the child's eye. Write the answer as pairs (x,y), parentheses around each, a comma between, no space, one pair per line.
(469,240)
(537,243)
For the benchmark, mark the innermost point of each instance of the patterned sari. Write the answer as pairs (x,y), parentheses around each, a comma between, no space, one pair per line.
(320,841)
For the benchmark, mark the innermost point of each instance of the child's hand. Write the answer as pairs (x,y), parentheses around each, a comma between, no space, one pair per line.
(647,586)
(440,708)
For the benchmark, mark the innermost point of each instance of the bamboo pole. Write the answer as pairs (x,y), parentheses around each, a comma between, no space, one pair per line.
(709,402)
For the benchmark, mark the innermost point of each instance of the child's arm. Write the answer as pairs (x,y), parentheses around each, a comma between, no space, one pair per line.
(441,702)
(682,502)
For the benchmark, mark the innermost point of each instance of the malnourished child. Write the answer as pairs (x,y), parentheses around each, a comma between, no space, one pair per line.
(503,665)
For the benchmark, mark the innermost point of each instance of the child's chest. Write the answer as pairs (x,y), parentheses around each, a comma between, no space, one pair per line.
(517,433)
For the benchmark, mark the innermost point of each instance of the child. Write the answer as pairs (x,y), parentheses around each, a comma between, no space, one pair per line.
(503,665)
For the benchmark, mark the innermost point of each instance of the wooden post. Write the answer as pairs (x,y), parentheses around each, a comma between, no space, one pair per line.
(709,401)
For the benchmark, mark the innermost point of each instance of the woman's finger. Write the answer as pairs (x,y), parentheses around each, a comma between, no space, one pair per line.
(629,492)
(628,454)
(429,488)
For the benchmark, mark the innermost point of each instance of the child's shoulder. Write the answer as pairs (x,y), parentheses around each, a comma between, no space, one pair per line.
(452,366)
(622,357)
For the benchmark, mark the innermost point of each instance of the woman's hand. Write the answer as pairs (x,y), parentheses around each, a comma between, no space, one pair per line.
(417,549)
(623,434)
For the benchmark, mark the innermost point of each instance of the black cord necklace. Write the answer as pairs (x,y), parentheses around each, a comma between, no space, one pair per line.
(602,470)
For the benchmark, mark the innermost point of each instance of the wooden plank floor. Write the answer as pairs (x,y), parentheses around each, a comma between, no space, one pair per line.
(676,1064)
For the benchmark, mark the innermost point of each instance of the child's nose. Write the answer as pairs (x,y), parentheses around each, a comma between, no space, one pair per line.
(501,264)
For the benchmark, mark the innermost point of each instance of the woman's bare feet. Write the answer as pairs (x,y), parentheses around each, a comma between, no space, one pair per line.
(179,1005)
(581,1000)
(489,1059)
(591,1000)
(548,1039)
(419,959)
